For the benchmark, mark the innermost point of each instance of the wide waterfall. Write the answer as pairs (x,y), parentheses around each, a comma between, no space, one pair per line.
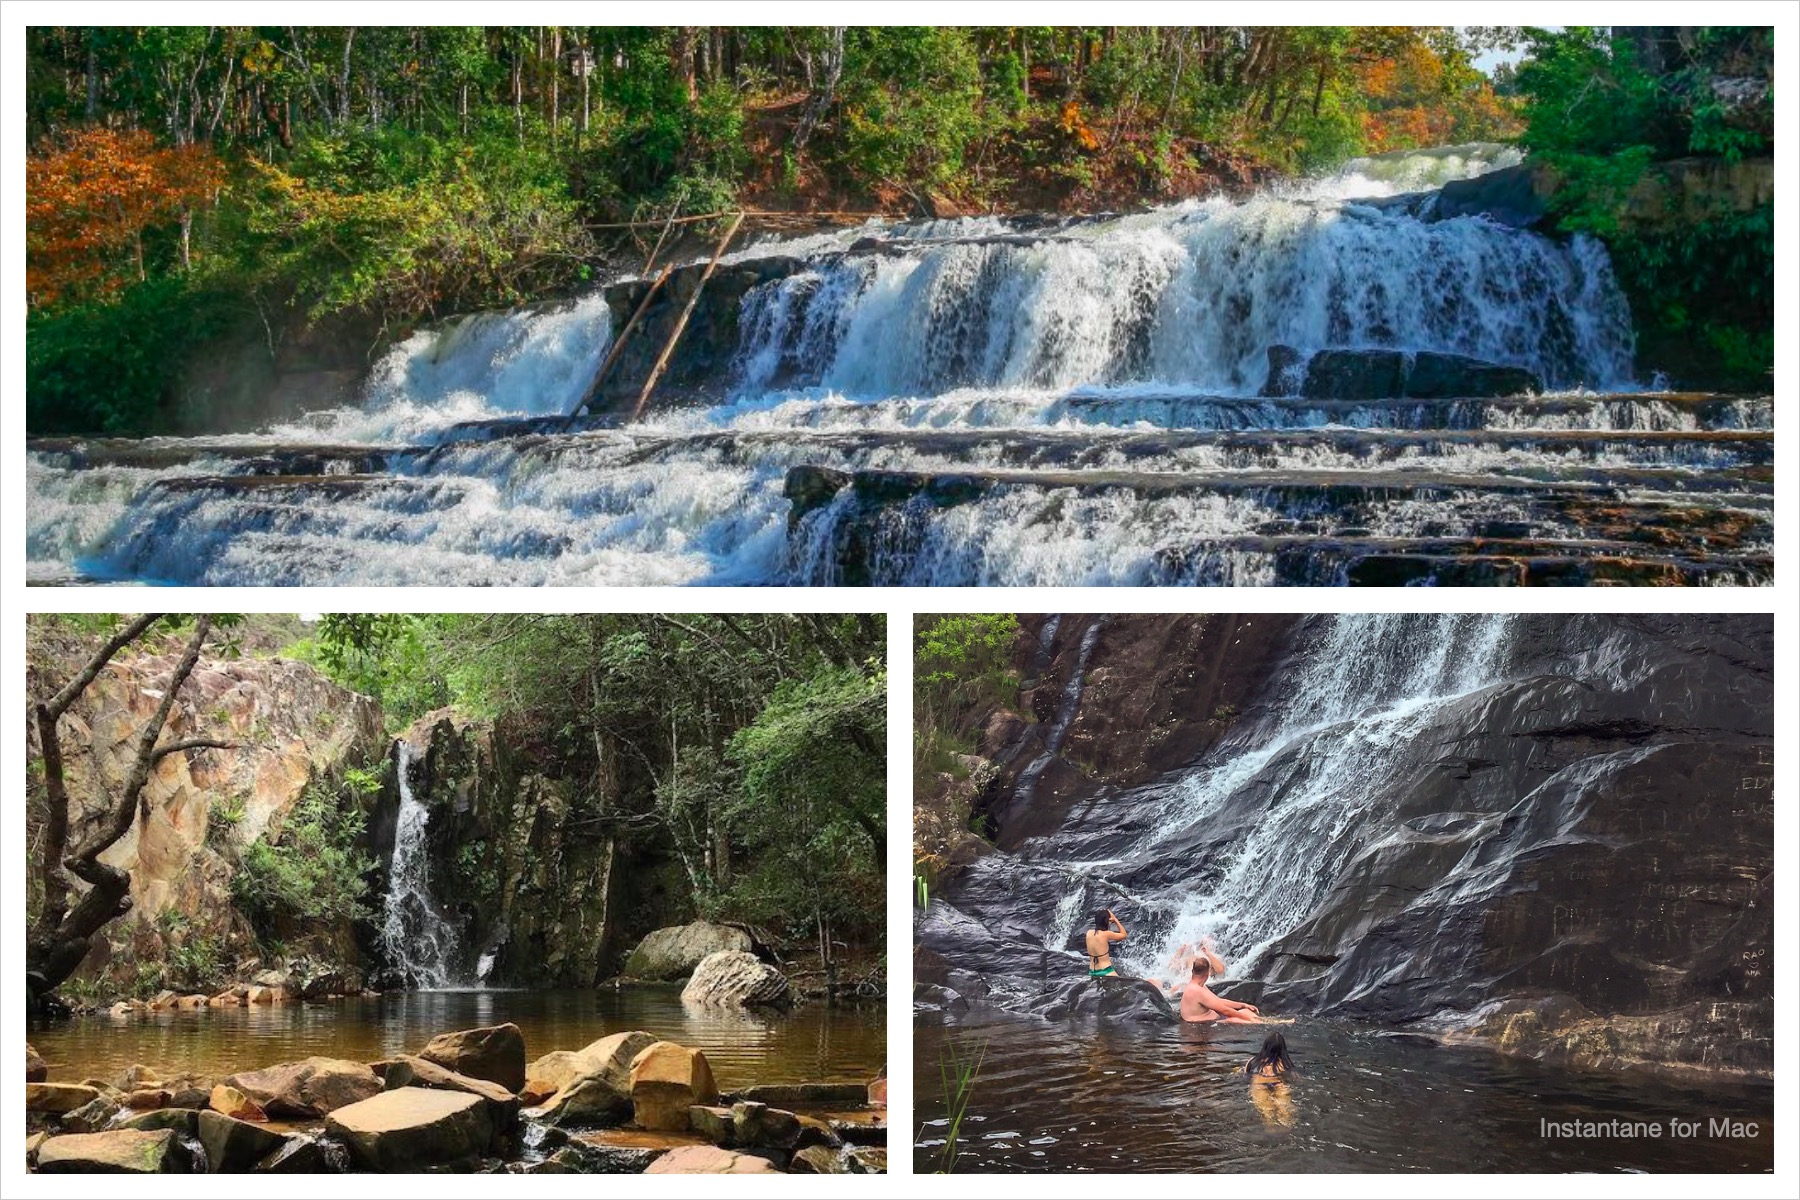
(988,400)
(422,943)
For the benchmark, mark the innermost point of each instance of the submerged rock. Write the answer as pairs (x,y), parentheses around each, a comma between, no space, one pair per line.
(666,1081)
(410,1129)
(496,1053)
(1383,374)
(115,1152)
(673,953)
(313,1087)
(736,979)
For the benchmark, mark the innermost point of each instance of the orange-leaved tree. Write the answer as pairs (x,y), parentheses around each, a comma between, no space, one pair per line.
(92,194)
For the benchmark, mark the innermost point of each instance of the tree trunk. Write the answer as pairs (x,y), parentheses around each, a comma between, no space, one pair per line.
(63,939)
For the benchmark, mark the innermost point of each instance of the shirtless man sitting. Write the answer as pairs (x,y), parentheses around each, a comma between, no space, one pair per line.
(1199,1003)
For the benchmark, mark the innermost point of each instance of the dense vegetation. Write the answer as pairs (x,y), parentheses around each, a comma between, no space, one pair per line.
(195,185)
(747,752)
(1601,109)
(189,186)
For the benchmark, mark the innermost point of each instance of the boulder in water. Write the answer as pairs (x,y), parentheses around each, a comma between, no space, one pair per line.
(868,1160)
(808,487)
(710,1160)
(410,1129)
(36,1069)
(666,1081)
(596,1081)
(764,1128)
(673,953)
(114,1152)
(147,1098)
(1379,374)
(58,1098)
(233,1145)
(312,1087)
(736,979)
(91,1117)
(299,1155)
(496,1052)
(407,1071)
(828,1094)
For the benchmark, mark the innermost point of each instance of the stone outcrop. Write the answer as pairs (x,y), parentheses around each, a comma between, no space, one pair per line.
(310,1088)
(496,1053)
(673,953)
(736,979)
(115,1152)
(410,1128)
(289,727)
(666,1081)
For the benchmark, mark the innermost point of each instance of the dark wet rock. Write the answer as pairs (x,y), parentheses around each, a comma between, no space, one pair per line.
(91,1117)
(714,1123)
(36,1069)
(763,1128)
(233,1145)
(1434,376)
(630,1151)
(868,1160)
(736,979)
(1354,375)
(115,1152)
(823,1094)
(495,1053)
(809,487)
(1287,372)
(859,1128)
(302,1155)
(1575,865)
(409,1129)
(673,953)
(184,1121)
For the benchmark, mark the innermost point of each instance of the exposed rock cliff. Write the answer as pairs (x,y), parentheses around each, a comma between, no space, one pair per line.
(1550,834)
(289,727)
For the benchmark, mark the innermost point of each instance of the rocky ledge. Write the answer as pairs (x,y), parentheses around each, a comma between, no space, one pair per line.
(469,1100)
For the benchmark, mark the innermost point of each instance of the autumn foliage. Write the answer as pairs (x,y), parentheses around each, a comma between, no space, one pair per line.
(91,197)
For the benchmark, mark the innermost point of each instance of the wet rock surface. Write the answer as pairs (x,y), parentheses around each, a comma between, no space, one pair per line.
(1569,856)
(736,979)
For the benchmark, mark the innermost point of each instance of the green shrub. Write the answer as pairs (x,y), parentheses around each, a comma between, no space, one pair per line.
(312,873)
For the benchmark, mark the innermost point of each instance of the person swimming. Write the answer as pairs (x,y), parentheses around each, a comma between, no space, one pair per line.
(1106,930)
(1199,1003)
(1272,1061)
(1269,1069)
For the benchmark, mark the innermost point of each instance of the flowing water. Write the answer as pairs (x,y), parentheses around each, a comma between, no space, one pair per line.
(1101,1098)
(991,401)
(814,1042)
(424,946)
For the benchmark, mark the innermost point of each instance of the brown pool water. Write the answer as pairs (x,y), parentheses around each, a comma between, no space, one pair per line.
(813,1042)
(1082,1097)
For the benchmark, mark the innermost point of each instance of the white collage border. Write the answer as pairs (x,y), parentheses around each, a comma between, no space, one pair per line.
(16,599)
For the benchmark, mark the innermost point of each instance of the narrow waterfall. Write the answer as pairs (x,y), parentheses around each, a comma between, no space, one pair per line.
(422,943)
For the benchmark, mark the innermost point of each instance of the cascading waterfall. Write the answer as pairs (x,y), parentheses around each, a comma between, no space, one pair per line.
(422,943)
(1100,377)
(1318,772)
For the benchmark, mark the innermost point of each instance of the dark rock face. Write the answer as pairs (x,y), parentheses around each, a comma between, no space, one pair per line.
(1548,834)
(1393,375)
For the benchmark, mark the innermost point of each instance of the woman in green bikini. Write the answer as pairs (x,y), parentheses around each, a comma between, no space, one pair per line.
(1106,930)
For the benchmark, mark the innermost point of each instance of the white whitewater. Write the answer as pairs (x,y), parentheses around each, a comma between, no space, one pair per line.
(420,941)
(1320,773)
(1096,330)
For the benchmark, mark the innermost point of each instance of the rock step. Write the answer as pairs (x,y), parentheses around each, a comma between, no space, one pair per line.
(1463,562)
(1622,411)
(162,454)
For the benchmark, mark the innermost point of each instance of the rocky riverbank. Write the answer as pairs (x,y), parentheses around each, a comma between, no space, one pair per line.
(469,1100)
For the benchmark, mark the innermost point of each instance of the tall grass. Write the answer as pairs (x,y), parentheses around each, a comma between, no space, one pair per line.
(959,1066)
